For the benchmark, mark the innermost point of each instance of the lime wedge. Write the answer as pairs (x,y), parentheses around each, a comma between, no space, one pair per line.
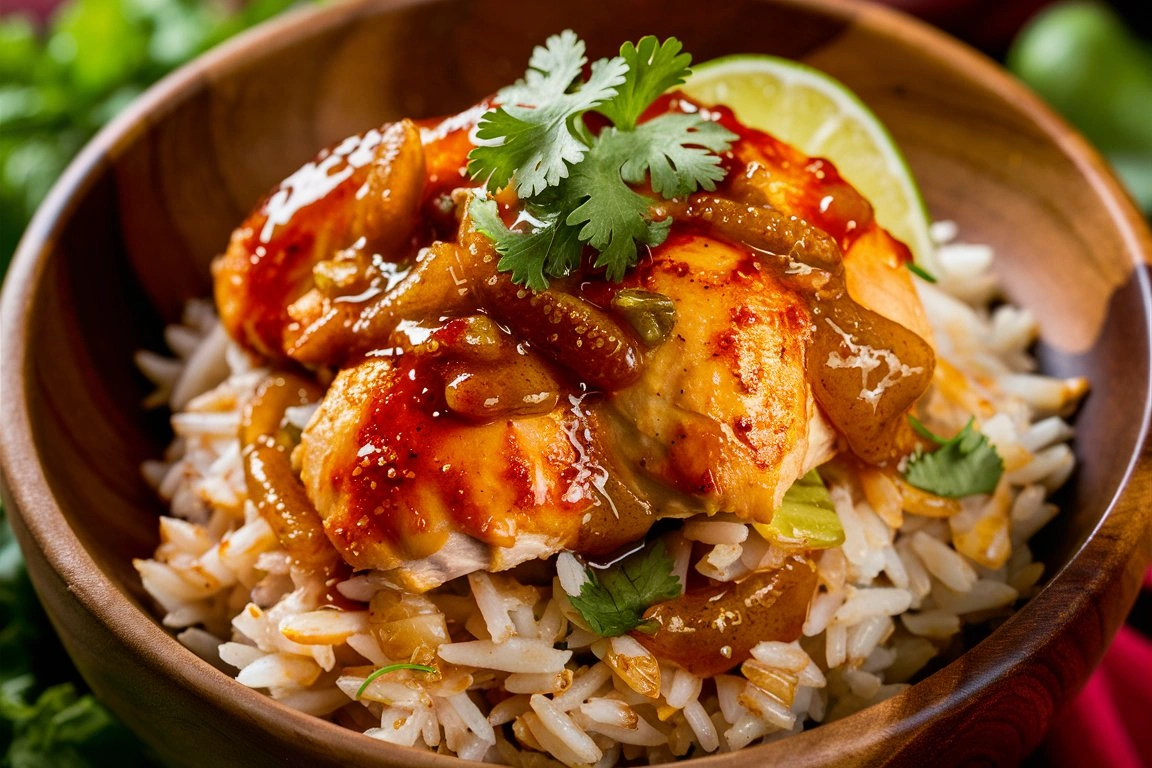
(820,116)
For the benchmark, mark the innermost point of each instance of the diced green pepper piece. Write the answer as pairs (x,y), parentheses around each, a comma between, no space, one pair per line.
(652,315)
(806,518)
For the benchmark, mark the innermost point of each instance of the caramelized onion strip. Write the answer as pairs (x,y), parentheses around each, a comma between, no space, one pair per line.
(388,204)
(346,330)
(273,487)
(710,630)
(452,279)
(808,256)
(574,333)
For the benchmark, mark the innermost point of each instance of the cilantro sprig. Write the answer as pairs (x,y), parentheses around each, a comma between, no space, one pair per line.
(964,465)
(578,188)
(536,134)
(613,601)
(654,68)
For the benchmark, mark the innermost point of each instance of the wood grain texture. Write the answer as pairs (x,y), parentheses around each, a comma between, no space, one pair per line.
(127,235)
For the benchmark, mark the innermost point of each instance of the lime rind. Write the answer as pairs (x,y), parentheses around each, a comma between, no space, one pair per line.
(822,116)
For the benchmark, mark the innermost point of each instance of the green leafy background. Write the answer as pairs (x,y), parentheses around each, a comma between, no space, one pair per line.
(61,82)
(63,79)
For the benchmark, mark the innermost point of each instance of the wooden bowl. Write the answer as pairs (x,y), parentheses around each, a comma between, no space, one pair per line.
(126,237)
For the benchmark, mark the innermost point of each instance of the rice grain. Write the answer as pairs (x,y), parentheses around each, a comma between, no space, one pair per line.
(943,562)
(513,655)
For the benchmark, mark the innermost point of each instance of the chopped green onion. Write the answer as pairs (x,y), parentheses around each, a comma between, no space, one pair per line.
(392,668)
(651,315)
(920,272)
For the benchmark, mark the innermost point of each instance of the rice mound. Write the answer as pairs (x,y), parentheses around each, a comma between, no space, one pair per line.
(524,676)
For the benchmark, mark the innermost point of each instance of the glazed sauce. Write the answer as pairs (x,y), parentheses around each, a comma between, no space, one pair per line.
(447,143)
(314,214)
(763,170)
(711,629)
(269,261)
(866,371)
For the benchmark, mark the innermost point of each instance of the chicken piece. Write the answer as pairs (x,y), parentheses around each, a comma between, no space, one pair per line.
(721,418)
(723,410)
(463,453)
(877,278)
(866,371)
(351,192)
(342,229)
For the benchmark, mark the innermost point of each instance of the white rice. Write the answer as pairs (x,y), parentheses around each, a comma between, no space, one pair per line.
(524,673)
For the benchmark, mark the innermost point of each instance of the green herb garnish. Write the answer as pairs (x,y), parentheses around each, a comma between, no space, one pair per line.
(806,517)
(965,465)
(392,668)
(577,187)
(614,600)
(920,272)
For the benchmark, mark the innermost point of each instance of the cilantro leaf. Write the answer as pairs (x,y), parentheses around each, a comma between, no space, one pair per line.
(614,601)
(965,465)
(678,150)
(577,186)
(536,136)
(551,70)
(552,248)
(653,68)
(611,216)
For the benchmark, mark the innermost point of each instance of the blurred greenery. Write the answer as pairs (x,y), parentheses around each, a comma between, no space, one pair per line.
(45,721)
(60,82)
(1086,61)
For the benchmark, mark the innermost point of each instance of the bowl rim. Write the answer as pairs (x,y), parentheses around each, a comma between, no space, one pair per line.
(24,482)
